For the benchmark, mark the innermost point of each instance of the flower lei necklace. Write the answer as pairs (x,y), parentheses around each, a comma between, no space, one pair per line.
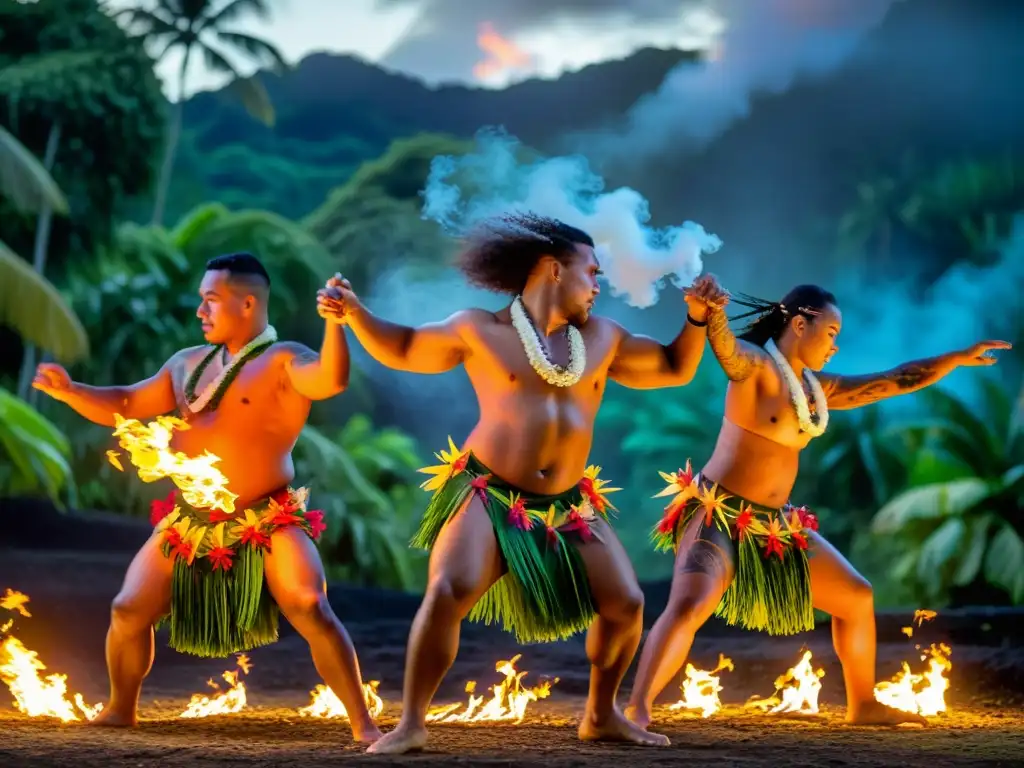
(812,425)
(214,391)
(538,357)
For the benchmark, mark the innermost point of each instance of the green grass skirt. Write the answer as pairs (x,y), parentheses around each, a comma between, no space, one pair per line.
(216,611)
(771,591)
(544,595)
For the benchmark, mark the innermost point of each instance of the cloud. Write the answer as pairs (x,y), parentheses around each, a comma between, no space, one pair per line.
(442,45)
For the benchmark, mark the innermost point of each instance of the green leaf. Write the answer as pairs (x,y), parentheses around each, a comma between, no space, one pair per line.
(31,305)
(24,181)
(1004,564)
(34,448)
(930,502)
(973,551)
(939,548)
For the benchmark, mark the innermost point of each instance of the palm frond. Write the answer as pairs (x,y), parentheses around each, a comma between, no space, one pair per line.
(236,10)
(33,452)
(256,48)
(254,97)
(23,179)
(35,309)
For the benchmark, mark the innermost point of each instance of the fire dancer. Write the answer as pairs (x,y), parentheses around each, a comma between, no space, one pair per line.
(245,397)
(742,551)
(517,524)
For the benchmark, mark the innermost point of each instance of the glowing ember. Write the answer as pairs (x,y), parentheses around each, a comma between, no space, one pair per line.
(36,696)
(502,55)
(326,704)
(925,693)
(701,689)
(795,692)
(509,699)
(202,484)
(224,702)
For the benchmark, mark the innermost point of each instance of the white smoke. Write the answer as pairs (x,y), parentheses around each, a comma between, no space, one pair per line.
(636,259)
(766,46)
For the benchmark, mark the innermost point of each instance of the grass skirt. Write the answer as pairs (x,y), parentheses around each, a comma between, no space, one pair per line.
(771,590)
(545,594)
(220,604)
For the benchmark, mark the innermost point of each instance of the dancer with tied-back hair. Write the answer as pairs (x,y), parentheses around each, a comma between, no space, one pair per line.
(742,551)
(517,525)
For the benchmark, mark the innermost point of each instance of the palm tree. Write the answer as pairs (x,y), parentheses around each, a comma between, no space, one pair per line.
(195,28)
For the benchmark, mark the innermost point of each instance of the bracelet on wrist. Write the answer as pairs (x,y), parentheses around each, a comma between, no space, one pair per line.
(699,323)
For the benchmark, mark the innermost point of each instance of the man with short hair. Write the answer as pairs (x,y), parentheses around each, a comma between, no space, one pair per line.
(220,575)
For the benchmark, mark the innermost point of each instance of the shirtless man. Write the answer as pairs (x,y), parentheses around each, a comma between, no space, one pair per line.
(251,420)
(517,523)
(780,568)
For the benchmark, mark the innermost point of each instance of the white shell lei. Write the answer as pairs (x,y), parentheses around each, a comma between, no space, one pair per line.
(813,427)
(197,405)
(551,373)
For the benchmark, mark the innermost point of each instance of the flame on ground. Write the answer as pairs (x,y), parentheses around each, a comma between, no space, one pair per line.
(925,693)
(795,692)
(36,696)
(325,702)
(202,483)
(509,699)
(501,54)
(700,688)
(223,702)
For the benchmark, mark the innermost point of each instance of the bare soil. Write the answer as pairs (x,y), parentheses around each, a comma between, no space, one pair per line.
(70,592)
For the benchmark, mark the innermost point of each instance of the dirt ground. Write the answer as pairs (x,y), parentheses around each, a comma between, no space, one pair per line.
(70,593)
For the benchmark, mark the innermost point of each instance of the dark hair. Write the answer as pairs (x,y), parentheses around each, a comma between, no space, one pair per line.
(772,317)
(243,265)
(503,251)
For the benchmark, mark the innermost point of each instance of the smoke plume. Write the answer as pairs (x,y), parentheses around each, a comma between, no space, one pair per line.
(637,259)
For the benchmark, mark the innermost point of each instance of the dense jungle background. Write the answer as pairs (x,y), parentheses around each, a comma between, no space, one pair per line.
(896,179)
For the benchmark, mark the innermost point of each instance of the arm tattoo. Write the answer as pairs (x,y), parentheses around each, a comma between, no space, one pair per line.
(737,361)
(855,391)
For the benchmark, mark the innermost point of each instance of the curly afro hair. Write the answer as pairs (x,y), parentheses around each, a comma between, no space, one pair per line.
(502,252)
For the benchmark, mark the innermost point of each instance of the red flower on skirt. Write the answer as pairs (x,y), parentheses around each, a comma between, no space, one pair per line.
(743,521)
(576,522)
(479,485)
(670,519)
(256,537)
(518,517)
(315,518)
(220,516)
(220,557)
(161,508)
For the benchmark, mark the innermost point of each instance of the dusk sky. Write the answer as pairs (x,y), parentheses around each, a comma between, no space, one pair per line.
(439,40)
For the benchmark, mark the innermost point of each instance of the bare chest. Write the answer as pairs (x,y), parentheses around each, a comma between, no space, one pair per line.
(255,390)
(781,413)
(501,361)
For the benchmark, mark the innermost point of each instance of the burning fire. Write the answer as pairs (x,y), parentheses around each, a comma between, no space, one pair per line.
(202,484)
(509,699)
(326,704)
(701,689)
(795,692)
(35,696)
(925,693)
(224,702)
(501,54)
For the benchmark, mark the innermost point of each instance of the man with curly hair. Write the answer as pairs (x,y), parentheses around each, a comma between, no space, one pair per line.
(517,524)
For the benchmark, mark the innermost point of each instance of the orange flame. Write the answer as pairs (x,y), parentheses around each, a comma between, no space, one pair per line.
(36,696)
(925,693)
(795,692)
(501,54)
(224,702)
(700,689)
(509,699)
(326,703)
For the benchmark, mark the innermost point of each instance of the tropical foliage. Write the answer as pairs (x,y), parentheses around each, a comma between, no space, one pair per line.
(34,454)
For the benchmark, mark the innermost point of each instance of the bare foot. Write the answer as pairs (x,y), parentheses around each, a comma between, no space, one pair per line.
(405,738)
(618,728)
(637,714)
(110,718)
(876,713)
(367,735)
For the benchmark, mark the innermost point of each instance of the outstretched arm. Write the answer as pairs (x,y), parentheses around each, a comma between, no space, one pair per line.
(739,359)
(847,392)
(323,375)
(144,400)
(431,348)
(641,362)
